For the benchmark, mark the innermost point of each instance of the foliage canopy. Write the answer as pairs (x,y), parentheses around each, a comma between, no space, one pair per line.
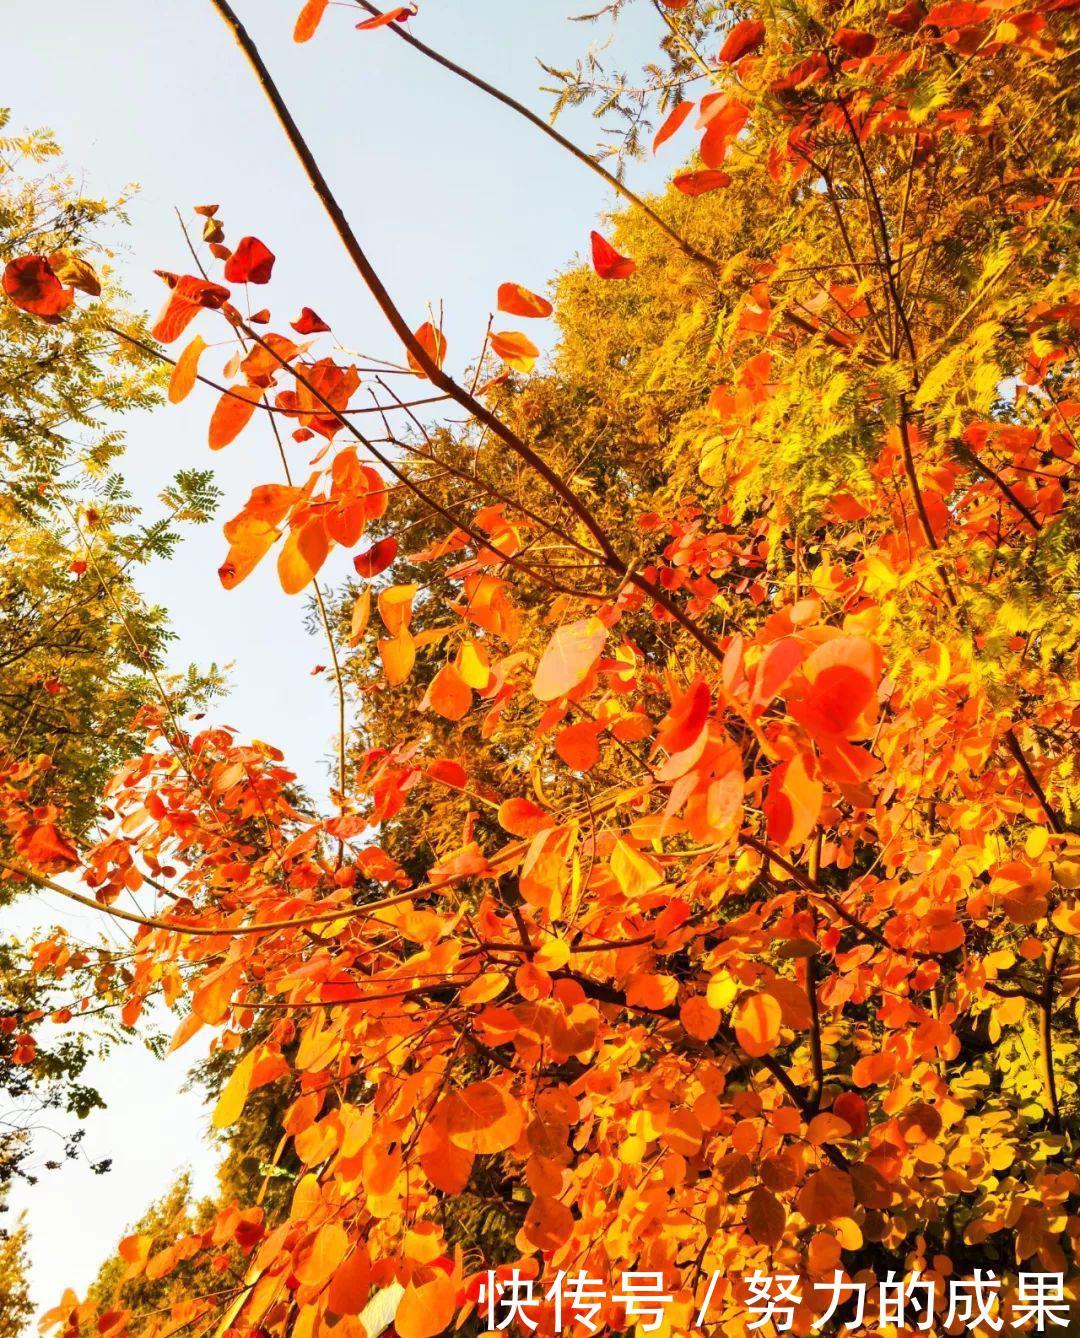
(699,888)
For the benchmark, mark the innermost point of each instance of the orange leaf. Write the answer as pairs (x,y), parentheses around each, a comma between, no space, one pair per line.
(251,542)
(433,342)
(521,817)
(579,745)
(569,658)
(519,301)
(190,294)
(395,607)
(185,1031)
(654,992)
(482,1118)
(757,1024)
(689,713)
(548,1223)
(351,1283)
(186,370)
(854,42)
(793,803)
(843,674)
(449,694)
(398,657)
(398,15)
(765,1217)
(426,1310)
(723,116)
(309,19)
(232,414)
(635,874)
(828,1194)
(699,1019)
(309,322)
(44,845)
(515,349)
(607,262)
(302,555)
(447,1167)
(851,1107)
(324,1255)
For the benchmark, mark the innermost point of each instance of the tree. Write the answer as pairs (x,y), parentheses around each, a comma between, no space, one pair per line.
(705,863)
(13,1289)
(79,646)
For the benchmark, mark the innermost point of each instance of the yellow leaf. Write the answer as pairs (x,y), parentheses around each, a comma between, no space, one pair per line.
(634,873)
(360,615)
(235,1092)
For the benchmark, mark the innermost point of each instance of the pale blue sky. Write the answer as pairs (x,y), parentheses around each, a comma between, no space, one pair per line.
(450,193)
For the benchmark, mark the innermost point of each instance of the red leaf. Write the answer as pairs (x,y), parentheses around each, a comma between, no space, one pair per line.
(700,183)
(672,122)
(745,37)
(851,1107)
(32,286)
(907,18)
(190,295)
(309,322)
(519,301)
(843,674)
(448,773)
(251,262)
(398,15)
(376,558)
(579,745)
(686,719)
(607,262)
(853,42)
(961,14)
(723,116)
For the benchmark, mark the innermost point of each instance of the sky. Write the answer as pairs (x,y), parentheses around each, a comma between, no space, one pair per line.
(450,194)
